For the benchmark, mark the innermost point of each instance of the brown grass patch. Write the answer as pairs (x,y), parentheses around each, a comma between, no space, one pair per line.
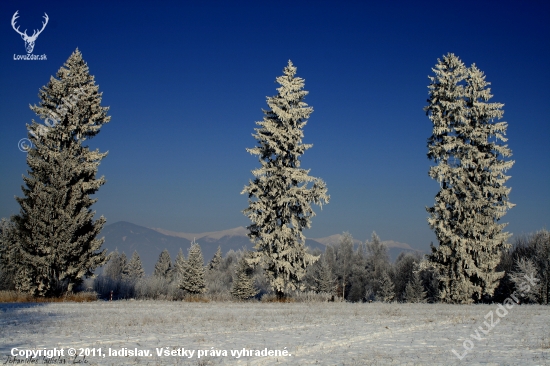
(14,296)
(273,298)
(195,298)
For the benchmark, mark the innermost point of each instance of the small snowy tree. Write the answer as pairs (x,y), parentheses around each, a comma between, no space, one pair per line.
(470,169)
(55,230)
(216,260)
(134,268)
(179,266)
(116,265)
(281,207)
(377,262)
(163,267)
(9,255)
(526,280)
(325,278)
(403,270)
(414,291)
(539,245)
(343,263)
(386,292)
(243,285)
(193,276)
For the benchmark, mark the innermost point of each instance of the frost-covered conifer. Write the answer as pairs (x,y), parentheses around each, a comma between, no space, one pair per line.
(134,268)
(55,227)
(281,207)
(243,285)
(386,292)
(216,260)
(359,275)
(9,255)
(179,266)
(124,265)
(163,267)
(530,289)
(377,262)
(193,280)
(470,169)
(403,270)
(116,265)
(414,291)
(325,278)
(539,245)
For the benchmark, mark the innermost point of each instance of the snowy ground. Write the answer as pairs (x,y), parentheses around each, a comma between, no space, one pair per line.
(313,333)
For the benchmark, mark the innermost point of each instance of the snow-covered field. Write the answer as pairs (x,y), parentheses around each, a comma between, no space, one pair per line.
(312,333)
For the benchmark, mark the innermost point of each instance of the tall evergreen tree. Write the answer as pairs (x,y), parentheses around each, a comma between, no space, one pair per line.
(282,205)
(243,285)
(55,227)
(193,276)
(134,268)
(163,267)
(470,169)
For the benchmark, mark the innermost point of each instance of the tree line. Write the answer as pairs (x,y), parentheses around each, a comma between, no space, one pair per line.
(51,246)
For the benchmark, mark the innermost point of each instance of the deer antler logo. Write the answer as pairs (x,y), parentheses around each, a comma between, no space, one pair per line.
(29,41)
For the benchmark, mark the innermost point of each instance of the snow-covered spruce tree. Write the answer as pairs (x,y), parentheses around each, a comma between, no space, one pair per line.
(55,227)
(377,262)
(116,265)
(179,267)
(163,267)
(540,245)
(325,280)
(527,282)
(9,255)
(243,285)
(281,207)
(134,268)
(533,253)
(216,260)
(414,291)
(470,169)
(359,275)
(193,276)
(403,271)
(386,292)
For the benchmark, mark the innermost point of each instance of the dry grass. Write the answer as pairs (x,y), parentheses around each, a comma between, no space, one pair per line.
(273,298)
(14,296)
(196,298)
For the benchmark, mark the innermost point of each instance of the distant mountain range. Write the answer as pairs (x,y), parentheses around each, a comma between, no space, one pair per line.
(150,242)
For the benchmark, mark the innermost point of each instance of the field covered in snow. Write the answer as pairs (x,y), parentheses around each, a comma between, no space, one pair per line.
(311,333)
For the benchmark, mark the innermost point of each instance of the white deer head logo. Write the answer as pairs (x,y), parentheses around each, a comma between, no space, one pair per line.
(29,41)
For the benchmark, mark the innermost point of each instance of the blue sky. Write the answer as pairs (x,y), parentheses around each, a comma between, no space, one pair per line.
(185,82)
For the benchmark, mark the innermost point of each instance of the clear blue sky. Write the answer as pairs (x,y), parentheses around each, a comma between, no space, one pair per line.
(186,81)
